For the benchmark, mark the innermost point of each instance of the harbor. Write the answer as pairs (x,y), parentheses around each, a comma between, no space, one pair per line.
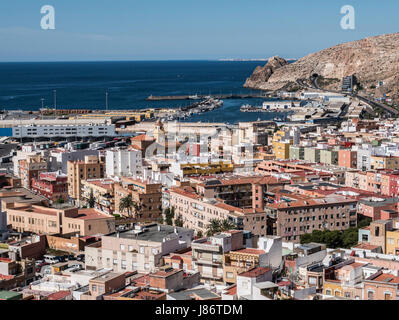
(260,95)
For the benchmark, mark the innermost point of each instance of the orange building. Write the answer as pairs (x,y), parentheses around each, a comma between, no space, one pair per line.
(347,158)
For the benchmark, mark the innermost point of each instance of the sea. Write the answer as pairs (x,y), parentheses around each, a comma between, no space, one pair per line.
(82,85)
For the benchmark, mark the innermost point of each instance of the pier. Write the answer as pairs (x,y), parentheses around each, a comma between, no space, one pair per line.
(214,96)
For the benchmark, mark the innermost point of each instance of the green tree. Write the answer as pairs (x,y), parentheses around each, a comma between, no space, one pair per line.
(169,215)
(92,200)
(179,222)
(226,225)
(199,234)
(127,204)
(213,227)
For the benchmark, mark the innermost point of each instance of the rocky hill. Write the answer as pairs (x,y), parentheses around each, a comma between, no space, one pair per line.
(371,60)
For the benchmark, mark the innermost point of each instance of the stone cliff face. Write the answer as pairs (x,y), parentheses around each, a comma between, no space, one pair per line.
(371,60)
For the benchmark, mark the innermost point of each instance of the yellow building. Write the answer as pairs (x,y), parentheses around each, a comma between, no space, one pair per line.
(206,168)
(236,262)
(392,242)
(382,162)
(281,145)
(90,168)
(282,150)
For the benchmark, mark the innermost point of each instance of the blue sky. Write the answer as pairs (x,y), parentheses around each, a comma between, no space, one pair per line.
(184,29)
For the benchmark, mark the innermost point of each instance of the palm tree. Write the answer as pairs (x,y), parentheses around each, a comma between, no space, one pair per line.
(217,225)
(127,203)
(226,225)
(213,227)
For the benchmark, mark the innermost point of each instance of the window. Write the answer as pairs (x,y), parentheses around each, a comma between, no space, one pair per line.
(390,241)
(142,249)
(94,287)
(387,296)
(101,290)
(134,266)
(123,264)
(154,251)
(370,295)
(130,248)
(312,280)
(229,275)
(146,266)
(115,262)
(328,292)
(123,247)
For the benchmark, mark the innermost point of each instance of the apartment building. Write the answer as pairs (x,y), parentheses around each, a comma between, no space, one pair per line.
(208,254)
(385,182)
(141,249)
(344,280)
(329,157)
(378,208)
(90,168)
(384,162)
(43,220)
(381,286)
(14,274)
(147,196)
(123,162)
(347,158)
(52,185)
(239,261)
(102,191)
(292,219)
(239,191)
(62,156)
(197,211)
(30,168)
(297,153)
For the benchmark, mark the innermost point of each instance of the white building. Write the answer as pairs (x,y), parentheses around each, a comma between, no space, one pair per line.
(62,157)
(280,105)
(273,246)
(63,130)
(123,163)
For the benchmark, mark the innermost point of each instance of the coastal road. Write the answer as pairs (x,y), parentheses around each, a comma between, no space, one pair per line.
(388,109)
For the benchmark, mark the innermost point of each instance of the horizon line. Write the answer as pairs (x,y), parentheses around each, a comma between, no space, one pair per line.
(144,60)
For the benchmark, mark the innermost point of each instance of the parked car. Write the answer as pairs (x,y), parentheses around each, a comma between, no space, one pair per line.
(45,270)
(38,262)
(80,257)
(61,258)
(71,257)
(76,266)
(51,259)
(39,267)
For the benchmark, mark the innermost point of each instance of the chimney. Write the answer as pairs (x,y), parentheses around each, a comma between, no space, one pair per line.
(159,227)
(175,230)
(118,234)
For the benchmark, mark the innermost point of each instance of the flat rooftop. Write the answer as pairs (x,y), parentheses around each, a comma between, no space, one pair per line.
(151,234)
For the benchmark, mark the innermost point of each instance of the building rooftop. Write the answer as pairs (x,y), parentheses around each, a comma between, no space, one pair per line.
(200,294)
(153,232)
(254,272)
(106,277)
